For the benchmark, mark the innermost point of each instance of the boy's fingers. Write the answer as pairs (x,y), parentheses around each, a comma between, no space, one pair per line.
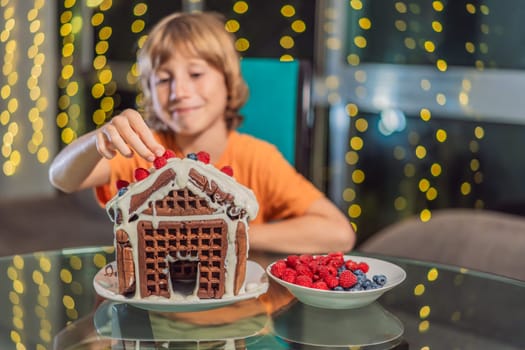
(138,124)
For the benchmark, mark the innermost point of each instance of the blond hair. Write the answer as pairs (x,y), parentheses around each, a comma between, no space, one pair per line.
(203,34)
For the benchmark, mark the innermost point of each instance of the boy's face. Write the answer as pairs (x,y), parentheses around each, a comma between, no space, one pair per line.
(189,95)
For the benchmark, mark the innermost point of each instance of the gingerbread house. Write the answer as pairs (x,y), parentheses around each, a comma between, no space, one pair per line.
(185,222)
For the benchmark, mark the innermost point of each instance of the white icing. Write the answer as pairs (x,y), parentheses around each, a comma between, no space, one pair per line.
(243,200)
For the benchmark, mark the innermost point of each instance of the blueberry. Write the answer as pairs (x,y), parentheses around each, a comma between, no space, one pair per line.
(367,284)
(341,269)
(122,190)
(339,288)
(379,279)
(192,156)
(358,272)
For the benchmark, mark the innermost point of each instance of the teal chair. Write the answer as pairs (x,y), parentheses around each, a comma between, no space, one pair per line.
(278,107)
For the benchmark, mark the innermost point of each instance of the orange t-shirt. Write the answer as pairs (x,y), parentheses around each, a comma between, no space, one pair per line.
(280,190)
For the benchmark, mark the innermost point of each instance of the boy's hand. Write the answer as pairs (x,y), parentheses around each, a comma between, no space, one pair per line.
(128,133)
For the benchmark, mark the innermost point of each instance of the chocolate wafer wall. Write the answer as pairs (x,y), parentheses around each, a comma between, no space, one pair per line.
(190,245)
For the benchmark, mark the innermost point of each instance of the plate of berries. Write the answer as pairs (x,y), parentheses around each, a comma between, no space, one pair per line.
(335,281)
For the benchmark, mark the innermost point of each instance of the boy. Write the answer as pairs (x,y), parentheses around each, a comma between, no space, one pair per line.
(193,90)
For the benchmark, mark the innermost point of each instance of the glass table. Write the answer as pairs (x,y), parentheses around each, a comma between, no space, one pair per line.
(47,301)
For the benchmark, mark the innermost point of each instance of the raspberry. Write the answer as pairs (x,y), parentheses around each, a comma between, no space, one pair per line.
(363,267)
(320,285)
(203,157)
(351,265)
(292,260)
(347,279)
(331,281)
(278,268)
(303,269)
(306,258)
(141,174)
(289,275)
(303,280)
(168,154)
(122,184)
(159,162)
(337,261)
(227,170)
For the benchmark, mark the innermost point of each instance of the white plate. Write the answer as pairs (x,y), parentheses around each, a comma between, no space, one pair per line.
(329,299)
(106,285)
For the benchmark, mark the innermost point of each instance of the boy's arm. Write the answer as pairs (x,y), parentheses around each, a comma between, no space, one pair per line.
(79,165)
(322,229)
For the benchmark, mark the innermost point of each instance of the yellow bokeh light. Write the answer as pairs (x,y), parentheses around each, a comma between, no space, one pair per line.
(43,155)
(438,6)
(66,276)
(351,109)
(356,4)
(470,8)
(351,157)
(429,46)
(72,88)
(298,26)
(349,195)
(465,188)
(400,25)
(358,176)
(361,125)
(140,9)
(441,99)
(138,26)
(360,41)
(421,152)
(400,7)
(68,302)
(424,311)
(12,105)
(400,203)
(288,11)
(76,21)
(99,117)
(432,274)
(435,169)
(240,7)
(356,143)
(425,215)
(410,43)
(441,135)
(424,185)
(287,42)
(431,194)
(105,33)
(354,211)
(242,44)
(437,26)
(424,326)
(38,278)
(105,76)
(75,262)
(441,65)
(68,135)
(365,23)
(99,260)
(469,47)
(474,164)
(232,26)
(101,47)
(479,132)
(18,287)
(97,19)
(353,59)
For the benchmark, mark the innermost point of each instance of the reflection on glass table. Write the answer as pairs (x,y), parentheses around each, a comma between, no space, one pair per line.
(48,302)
